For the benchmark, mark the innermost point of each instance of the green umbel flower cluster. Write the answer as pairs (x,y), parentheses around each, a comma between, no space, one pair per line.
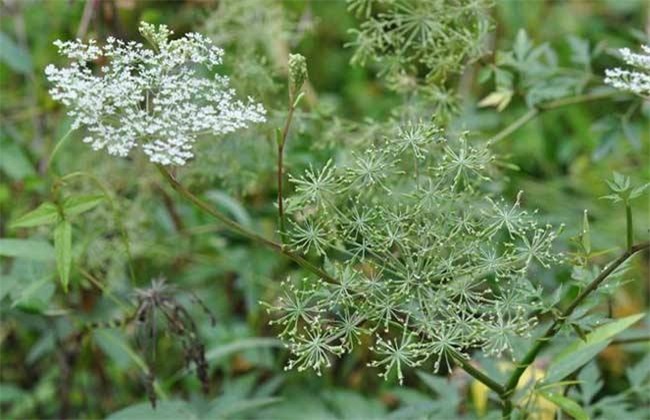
(426,262)
(416,42)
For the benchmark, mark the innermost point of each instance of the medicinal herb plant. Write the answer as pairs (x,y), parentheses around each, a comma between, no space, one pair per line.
(403,242)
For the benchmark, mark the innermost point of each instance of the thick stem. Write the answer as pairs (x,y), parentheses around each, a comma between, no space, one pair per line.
(554,328)
(477,374)
(546,106)
(241,230)
(506,411)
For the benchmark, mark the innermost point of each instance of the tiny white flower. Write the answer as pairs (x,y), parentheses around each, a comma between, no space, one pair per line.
(159,100)
(636,80)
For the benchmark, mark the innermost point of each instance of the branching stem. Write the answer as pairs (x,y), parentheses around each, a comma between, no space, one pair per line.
(477,374)
(504,391)
(547,106)
(241,230)
(554,328)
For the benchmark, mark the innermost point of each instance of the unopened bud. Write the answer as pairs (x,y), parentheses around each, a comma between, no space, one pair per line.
(297,73)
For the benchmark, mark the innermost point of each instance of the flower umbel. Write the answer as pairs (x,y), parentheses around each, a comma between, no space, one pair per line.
(160,100)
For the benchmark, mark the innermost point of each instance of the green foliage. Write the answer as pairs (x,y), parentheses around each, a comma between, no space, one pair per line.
(622,189)
(585,349)
(419,42)
(631,403)
(410,252)
(535,70)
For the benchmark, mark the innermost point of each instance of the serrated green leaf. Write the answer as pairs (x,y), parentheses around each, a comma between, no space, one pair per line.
(639,190)
(63,250)
(522,45)
(567,405)
(81,203)
(503,80)
(590,382)
(33,249)
(580,51)
(45,214)
(639,373)
(580,352)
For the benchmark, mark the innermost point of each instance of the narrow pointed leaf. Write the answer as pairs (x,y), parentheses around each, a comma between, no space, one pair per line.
(580,352)
(45,214)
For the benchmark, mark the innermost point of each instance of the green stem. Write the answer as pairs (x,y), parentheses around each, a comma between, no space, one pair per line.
(506,411)
(57,147)
(280,174)
(478,374)
(630,228)
(241,230)
(547,106)
(518,123)
(554,328)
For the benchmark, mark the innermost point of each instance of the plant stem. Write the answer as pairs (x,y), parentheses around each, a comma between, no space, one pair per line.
(478,374)
(554,328)
(630,228)
(281,142)
(241,230)
(547,106)
(519,122)
(506,411)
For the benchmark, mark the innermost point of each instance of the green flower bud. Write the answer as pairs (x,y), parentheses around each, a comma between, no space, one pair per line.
(297,73)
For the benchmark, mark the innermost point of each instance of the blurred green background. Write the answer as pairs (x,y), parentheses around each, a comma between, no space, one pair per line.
(563,157)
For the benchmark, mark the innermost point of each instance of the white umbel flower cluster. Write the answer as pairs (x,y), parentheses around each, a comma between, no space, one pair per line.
(160,100)
(636,80)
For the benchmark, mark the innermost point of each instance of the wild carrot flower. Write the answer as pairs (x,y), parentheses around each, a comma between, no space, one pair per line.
(160,100)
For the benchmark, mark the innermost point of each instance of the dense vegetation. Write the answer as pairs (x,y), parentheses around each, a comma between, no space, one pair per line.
(324,209)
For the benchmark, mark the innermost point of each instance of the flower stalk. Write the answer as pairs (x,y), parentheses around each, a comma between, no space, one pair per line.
(241,230)
(547,106)
(297,77)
